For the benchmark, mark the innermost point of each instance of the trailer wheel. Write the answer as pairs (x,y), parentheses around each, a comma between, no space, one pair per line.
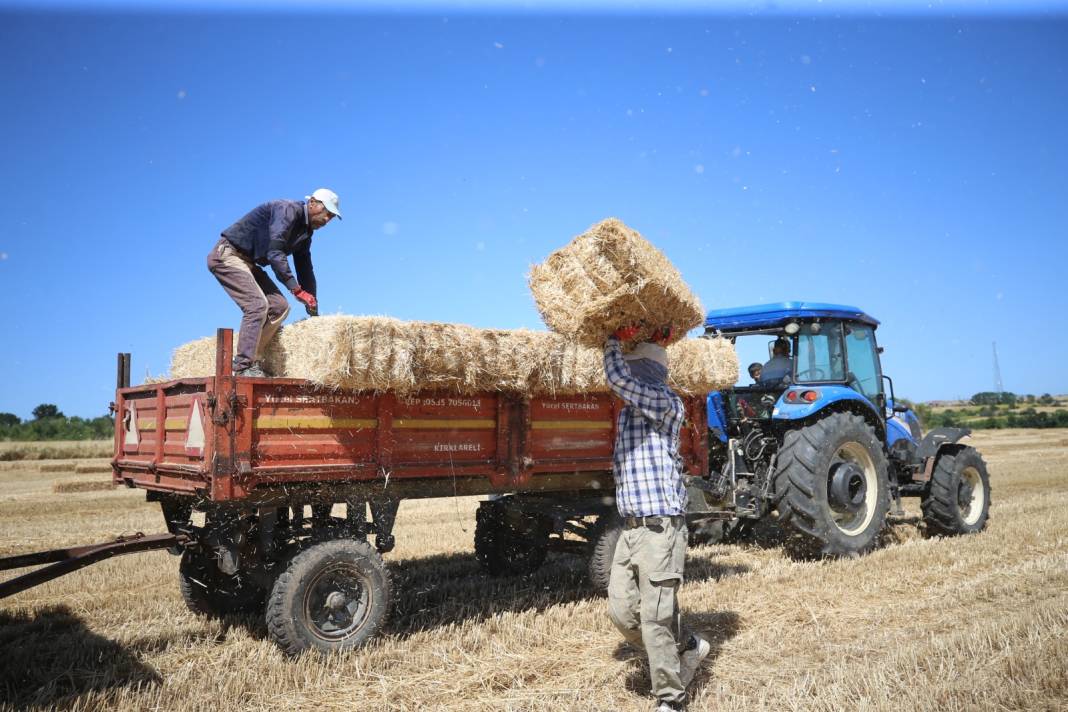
(509,543)
(831,484)
(958,499)
(332,596)
(603,538)
(207,591)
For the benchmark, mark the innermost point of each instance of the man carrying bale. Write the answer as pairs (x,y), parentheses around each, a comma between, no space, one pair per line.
(268,234)
(651,498)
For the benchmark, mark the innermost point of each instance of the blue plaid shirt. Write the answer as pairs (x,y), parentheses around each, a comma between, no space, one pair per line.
(645,463)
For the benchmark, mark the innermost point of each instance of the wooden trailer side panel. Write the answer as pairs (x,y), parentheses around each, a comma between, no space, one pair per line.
(257,439)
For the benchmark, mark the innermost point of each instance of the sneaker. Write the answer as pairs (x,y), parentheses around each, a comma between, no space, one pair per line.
(668,707)
(253,371)
(691,658)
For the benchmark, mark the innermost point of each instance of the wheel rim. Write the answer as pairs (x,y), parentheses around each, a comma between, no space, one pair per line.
(852,488)
(338,602)
(971,496)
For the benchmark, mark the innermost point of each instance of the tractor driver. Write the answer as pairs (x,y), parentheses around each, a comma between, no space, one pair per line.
(780,366)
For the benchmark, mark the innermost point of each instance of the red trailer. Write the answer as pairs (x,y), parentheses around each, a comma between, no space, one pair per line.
(266,485)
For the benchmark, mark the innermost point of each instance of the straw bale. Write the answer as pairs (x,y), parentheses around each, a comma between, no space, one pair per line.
(92,468)
(607,277)
(195,359)
(702,365)
(56,467)
(377,353)
(65,486)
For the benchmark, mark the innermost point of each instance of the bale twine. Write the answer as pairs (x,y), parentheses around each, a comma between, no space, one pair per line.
(607,277)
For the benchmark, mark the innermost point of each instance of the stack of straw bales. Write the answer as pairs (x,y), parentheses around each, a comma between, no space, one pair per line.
(608,277)
(381,353)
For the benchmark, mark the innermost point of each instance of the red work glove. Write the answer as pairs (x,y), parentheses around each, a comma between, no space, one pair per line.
(627,333)
(664,334)
(308,300)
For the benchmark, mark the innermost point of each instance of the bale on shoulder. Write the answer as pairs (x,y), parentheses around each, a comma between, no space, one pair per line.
(608,277)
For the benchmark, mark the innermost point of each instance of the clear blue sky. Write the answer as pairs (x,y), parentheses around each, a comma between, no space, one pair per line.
(910,163)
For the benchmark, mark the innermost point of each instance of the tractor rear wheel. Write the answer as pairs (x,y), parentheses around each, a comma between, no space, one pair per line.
(207,591)
(831,484)
(332,596)
(603,537)
(509,542)
(958,497)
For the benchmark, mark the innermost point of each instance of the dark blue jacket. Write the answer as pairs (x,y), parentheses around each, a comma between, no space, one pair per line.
(272,231)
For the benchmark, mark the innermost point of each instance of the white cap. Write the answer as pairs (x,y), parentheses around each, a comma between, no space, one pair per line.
(648,350)
(328,198)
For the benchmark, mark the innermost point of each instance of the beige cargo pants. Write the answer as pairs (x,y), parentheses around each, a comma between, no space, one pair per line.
(643,599)
(262,304)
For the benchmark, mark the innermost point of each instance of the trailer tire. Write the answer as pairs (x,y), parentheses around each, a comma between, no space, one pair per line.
(509,543)
(957,500)
(603,538)
(207,591)
(333,596)
(831,484)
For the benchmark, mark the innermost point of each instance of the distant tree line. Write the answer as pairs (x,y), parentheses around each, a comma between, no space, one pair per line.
(1011,399)
(996,410)
(49,423)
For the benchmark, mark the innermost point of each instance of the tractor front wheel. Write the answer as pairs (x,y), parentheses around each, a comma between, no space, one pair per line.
(958,498)
(831,484)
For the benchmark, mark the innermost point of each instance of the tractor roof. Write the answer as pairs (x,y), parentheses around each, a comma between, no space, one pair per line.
(771,315)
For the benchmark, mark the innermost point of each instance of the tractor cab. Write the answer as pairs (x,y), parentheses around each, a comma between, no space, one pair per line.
(798,358)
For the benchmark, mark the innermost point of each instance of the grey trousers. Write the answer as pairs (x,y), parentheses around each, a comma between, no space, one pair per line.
(643,600)
(262,303)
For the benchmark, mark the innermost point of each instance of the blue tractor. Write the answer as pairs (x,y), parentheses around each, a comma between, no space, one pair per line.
(817,442)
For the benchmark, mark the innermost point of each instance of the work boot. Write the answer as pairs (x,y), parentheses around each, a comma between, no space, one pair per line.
(691,658)
(252,371)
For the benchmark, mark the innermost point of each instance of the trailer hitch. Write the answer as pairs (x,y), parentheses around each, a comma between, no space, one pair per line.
(65,561)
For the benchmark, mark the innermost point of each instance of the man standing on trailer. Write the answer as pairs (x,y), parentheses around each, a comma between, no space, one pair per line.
(651,498)
(268,234)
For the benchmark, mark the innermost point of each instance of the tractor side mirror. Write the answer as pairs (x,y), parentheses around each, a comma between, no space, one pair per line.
(900,408)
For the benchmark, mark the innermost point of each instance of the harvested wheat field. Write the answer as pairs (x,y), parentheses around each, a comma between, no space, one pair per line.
(975,623)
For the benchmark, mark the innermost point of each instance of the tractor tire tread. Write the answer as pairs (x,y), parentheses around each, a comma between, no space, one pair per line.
(796,481)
